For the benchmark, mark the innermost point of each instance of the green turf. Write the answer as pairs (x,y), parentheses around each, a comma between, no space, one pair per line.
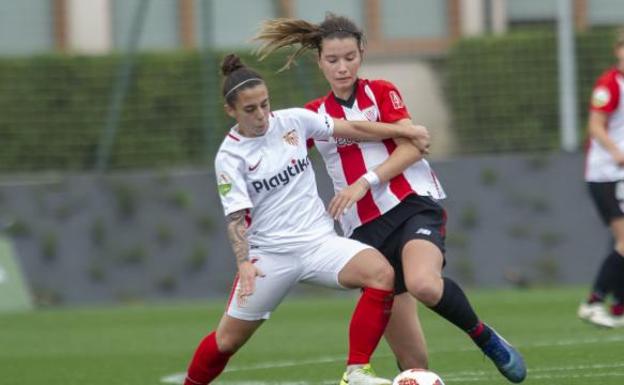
(305,341)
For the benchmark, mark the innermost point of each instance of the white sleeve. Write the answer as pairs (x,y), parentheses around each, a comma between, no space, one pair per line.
(231,183)
(316,126)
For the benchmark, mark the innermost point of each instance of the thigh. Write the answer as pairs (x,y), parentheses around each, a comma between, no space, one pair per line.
(418,246)
(608,198)
(428,225)
(281,272)
(324,264)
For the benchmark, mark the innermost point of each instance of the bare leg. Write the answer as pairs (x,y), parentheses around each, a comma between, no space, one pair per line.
(404,334)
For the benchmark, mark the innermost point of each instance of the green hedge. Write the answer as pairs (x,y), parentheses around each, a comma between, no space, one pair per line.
(503,90)
(54,108)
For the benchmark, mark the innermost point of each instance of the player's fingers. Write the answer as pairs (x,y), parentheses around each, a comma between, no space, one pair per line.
(341,207)
(331,207)
(336,206)
(246,285)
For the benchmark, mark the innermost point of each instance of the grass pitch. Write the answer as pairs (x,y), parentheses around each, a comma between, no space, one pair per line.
(303,343)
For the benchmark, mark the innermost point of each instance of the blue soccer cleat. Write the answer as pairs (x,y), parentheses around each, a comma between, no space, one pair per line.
(507,359)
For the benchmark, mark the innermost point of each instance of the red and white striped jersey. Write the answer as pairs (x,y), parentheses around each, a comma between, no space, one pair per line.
(347,160)
(606,97)
(272,178)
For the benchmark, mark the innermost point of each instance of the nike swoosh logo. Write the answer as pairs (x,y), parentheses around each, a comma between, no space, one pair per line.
(252,168)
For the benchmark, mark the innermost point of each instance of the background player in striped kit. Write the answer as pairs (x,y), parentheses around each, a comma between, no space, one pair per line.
(278,227)
(604,173)
(396,192)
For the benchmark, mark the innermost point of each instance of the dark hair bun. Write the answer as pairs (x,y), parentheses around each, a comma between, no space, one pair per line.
(230,64)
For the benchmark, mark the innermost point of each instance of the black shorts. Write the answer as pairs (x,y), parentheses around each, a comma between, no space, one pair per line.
(608,198)
(416,217)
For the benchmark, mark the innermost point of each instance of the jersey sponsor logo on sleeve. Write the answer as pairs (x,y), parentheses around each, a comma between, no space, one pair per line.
(397,102)
(224,184)
(601,97)
(291,138)
(344,142)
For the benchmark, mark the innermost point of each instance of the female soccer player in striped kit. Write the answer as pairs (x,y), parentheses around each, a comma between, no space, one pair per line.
(279,229)
(604,173)
(397,209)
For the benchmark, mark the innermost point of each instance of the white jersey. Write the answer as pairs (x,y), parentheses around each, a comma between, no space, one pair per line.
(347,160)
(607,97)
(272,178)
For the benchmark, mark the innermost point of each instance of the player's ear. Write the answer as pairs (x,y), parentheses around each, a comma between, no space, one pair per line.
(229,110)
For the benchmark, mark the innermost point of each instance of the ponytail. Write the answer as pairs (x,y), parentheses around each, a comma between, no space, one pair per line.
(278,33)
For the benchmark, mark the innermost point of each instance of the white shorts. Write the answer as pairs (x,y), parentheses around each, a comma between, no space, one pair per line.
(318,264)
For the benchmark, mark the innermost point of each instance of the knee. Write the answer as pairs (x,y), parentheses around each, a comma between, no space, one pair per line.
(381,277)
(229,342)
(424,289)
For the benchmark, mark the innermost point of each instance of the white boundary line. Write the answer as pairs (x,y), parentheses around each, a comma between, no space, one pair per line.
(467,376)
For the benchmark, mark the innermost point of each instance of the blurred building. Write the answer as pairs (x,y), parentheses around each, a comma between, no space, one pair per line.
(406,27)
(404,37)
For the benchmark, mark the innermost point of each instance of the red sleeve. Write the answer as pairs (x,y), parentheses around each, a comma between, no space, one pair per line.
(606,94)
(390,101)
(314,105)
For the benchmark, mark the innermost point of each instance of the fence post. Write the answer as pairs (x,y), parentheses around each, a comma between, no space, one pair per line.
(567,76)
(120,89)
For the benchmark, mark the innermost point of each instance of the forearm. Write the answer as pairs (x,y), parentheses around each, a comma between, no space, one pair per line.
(237,234)
(370,130)
(404,155)
(598,131)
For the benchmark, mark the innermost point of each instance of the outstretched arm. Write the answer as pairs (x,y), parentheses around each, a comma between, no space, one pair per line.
(375,130)
(247,272)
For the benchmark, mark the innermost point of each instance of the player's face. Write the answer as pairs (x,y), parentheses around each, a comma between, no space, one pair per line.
(251,110)
(340,61)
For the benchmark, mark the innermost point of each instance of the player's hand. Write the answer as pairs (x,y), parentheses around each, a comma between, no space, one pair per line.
(415,131)
(421,138)
(619,159)
(247,273)
(345,198)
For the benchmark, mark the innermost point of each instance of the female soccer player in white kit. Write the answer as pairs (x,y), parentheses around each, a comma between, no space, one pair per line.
(604,174)
(396,194)
(279,229)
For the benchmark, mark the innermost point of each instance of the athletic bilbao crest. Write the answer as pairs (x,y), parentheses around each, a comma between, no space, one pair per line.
(370,113)
(397,102)
(291,138)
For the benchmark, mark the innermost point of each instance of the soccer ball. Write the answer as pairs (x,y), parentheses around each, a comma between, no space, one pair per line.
(417,377)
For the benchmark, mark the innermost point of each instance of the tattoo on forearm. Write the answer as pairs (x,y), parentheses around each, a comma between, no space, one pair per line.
(237,229)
